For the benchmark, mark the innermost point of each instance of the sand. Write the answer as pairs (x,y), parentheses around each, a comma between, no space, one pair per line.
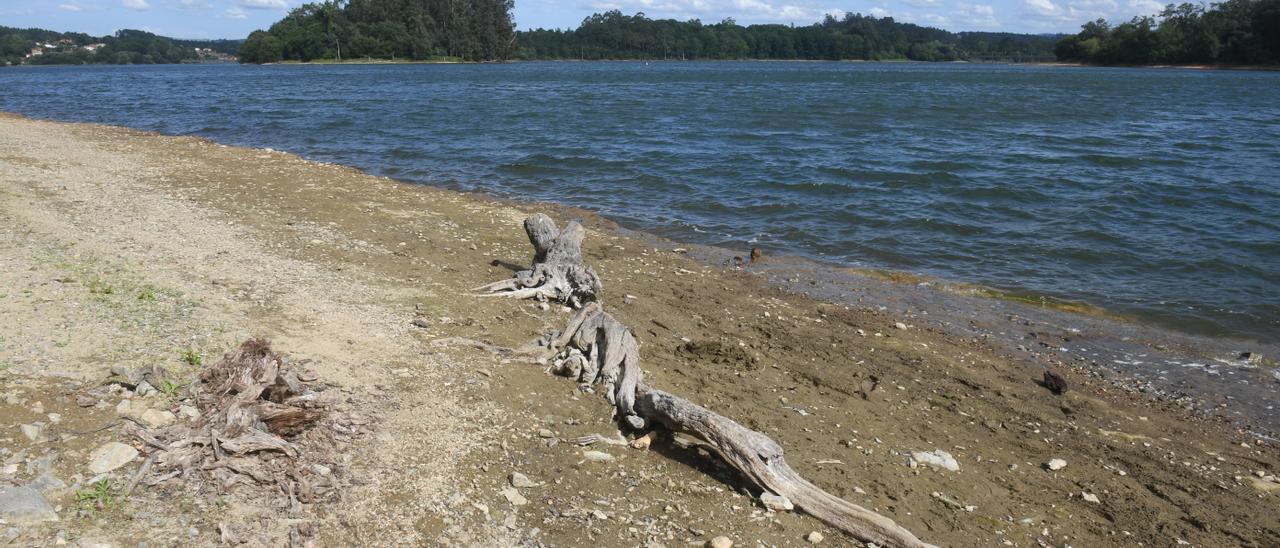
(119,247)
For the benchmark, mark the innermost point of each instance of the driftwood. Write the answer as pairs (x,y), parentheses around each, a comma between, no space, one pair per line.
(596,348)
(558,273)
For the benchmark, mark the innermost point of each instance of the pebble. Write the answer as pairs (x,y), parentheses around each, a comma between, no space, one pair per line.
(421,322)
(815,537)
(1056,464)
(24,505)
(597,456)
(937,459)
(55,418)
(156,418)
(521,480)
(777,503)
(514,497)
(144,388)
(188,412)
(900,325)
(32,431)
(110,456)
(720,542)
(123,407)
(544,433)
(1090,497)
(86,401)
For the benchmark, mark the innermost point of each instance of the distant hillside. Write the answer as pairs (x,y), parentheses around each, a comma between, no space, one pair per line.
(1234,32)
(46,47)
(613,35)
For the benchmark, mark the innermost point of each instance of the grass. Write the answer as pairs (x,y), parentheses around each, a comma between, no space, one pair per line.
(147,294)
(101,495)
(99,287)
(191,357)
(170,389)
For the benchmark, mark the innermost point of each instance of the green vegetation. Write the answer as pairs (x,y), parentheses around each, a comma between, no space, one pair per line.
(46,47)
(613,35)
(191,357)
(471,30)
(101,495)
(171,388)
(99,287)
(1235,32)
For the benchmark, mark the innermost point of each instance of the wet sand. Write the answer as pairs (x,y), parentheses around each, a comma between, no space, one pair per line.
(335,266)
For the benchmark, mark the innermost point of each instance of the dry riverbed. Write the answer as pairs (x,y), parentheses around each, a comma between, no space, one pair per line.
(125,250)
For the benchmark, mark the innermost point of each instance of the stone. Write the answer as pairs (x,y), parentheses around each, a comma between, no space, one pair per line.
(1056,464)
(597,456)
(124,407)
(521,480)
(1251,358)
(188,412)
(110,456)
(937,459)
(47,482)
(421,323)
(144,388)
(86,401)
(720,542)
(544,433)
(1090,497)
(156,418)
(514,497)
(24,505)
(777,503)
(32,431)
(815,538)
(55,418)
(900,325)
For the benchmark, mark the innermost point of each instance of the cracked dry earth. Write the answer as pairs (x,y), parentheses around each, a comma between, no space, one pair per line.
(122,249)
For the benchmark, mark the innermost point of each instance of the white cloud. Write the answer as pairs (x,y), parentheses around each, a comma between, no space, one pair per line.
(879,12)
(136,4)
(70,7)
(1043,7)
(264,4)
(1145,7)
(976,16)
(923,3)
(234,12)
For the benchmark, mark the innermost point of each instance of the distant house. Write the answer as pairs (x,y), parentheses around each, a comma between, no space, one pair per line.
(92,47)
(35,51)
(67,42)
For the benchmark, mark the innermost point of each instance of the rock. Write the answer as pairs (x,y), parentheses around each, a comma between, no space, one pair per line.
(124,407)
(111,456)
(777,503)
(544,433)
(720,542)
(597,456)
(188,412)
(32,431)
(47,482)
(86,401)
(24,505)
(421,322)
(514,497)
(1251,358)
(9,469)
(900,325)
(1056,464)
(1090,497)
(815,537)
(55,418)
(521,480)
(144,388)
(156,418)
(937,459)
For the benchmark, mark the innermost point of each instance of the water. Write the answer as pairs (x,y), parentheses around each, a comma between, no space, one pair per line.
(1153,193)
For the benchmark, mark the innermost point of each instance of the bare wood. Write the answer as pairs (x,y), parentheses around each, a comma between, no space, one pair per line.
(759,458)
(557,273)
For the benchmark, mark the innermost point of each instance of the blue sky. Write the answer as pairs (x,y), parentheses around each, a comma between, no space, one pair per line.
(236,18)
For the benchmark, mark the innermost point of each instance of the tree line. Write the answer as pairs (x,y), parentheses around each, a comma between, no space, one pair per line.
(46,47)
(469,30)
(614,35)
(1235,32)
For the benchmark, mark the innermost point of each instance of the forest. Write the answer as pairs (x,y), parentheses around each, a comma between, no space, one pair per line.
(614,35)
(1235,32)
(46,47)
(466,30)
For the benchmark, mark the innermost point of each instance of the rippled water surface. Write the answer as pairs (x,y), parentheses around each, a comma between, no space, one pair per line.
(1151,192)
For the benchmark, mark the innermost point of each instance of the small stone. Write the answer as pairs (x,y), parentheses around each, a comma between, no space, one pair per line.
(1056,464)
(32,431)
(8,469)
(144,388)
(421,322)
(777,503)
(545,434)
(597,456)
(514,497)
(900,325)
(936,459)
(720,542)
(37,408)
(24,505)
(188,412)
(156,418)
(815,537)
(86,401)
(1251,358)
(321,469)
(521,480)
(111,456)
(1090,497)
(55,418)
(124,407)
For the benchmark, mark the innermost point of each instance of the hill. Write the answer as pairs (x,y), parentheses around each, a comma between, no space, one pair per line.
(47,47)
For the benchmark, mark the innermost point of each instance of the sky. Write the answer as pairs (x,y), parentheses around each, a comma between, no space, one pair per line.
(237,18)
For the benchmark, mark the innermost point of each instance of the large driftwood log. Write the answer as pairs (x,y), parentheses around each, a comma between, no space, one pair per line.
(558,273)
(759,459)
(595,348)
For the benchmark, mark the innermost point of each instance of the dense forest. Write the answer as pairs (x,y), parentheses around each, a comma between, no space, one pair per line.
(470,30)
(46,47)
(1235,32)
(613,35)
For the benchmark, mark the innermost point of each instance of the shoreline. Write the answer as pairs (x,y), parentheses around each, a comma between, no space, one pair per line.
(364,280)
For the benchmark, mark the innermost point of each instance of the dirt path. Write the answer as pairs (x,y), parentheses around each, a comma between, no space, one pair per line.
(124,248)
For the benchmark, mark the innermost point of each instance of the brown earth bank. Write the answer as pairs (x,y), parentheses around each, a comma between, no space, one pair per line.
(122,250)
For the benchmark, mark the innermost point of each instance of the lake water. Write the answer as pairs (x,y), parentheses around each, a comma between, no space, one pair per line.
(1154,193)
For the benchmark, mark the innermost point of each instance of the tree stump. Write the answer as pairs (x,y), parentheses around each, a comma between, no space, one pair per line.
(558,273)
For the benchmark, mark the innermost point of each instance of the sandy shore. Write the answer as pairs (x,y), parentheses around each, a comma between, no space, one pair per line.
(121,248)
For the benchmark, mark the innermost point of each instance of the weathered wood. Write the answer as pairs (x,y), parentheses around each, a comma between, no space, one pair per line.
(759,459)
(558,273)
